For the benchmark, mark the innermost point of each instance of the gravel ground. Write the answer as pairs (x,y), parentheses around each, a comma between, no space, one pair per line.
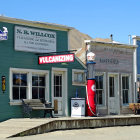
(107,133)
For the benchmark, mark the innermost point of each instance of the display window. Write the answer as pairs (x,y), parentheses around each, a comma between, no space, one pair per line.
(28,84)
(100,89)
(138,88)
(78,77)
(125,89)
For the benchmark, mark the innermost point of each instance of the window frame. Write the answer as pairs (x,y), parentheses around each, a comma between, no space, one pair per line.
(137,86)
(29,72)
(38,86)
(129,91)
(73,77)
(20,85)
(102,106)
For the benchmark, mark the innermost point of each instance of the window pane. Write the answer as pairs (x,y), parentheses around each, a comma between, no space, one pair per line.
(75,77)
(57,91)
(97,96)
(34,80)
(123,82)
(100,97)
(127,82)
(16,93)
(24,79)
(125,96)
(16,79)
(42,93)
(80,77)
(57,80)
(42,81)
(138,88)
(60,90)
(111,92)
(97,82)
(35,93)
(110,81)
(23,93)
(101,82)
(61,80)
(111,86)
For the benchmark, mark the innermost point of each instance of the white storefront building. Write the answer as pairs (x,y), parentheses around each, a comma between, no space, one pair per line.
(115,76)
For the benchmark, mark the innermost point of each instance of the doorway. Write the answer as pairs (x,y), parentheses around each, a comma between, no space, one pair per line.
(113,94)
(59,91)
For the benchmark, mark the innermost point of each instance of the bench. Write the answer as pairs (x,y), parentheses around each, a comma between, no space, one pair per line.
(134,107)
(36,104)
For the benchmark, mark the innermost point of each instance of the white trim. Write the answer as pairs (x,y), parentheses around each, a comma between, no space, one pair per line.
(80,62)
(104,106)
(135,38)
(29,82)
(69,47)
(65,92)
(130,91)
(78,71)
(115,44)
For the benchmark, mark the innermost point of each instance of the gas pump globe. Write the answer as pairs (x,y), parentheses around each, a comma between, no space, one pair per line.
(90,65)
(91,88)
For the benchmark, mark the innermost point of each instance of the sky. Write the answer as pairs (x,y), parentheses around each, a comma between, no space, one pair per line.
(97,18)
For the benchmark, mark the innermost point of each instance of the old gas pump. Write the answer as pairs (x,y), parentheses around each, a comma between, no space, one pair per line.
(91,88)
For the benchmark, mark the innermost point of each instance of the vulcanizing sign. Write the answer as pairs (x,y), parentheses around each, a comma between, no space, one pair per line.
(56,59)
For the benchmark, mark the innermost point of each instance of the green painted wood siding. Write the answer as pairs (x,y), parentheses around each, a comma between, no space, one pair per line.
(9,58)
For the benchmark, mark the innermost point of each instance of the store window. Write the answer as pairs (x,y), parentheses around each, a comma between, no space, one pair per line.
(99,90)
(19,86)
(38,86)
(28,84)
(138,88)
(125,89)
(78,77)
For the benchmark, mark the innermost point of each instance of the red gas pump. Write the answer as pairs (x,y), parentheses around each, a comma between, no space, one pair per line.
(91,98)
(91,87)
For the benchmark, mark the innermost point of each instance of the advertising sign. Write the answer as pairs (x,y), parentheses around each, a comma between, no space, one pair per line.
(34,40)
(4,34)
(56,59)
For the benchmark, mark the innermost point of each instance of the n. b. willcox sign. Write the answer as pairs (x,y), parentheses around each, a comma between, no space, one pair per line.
(34,40)
(4,34)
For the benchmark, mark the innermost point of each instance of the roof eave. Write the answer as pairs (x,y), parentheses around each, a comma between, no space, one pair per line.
(35,22)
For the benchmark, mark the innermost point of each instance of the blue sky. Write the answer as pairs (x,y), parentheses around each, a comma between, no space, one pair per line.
(97,18)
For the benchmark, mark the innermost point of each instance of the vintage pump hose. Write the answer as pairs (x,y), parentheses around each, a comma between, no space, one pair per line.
(88,102)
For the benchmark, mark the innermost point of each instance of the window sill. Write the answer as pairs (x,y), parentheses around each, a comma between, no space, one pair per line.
(78,84)
(125,105)
(101,107)
(15,102)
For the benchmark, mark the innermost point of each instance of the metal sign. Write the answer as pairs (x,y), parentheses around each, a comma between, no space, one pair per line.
(4,34)
(56,59)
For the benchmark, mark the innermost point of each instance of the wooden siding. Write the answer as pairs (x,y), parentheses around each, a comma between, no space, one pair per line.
(9,58)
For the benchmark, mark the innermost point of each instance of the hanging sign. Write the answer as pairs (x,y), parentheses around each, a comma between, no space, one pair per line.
(4,34)
(3,83)
(56,59)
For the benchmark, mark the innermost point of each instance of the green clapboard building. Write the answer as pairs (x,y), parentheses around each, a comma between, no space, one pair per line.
(29,69)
